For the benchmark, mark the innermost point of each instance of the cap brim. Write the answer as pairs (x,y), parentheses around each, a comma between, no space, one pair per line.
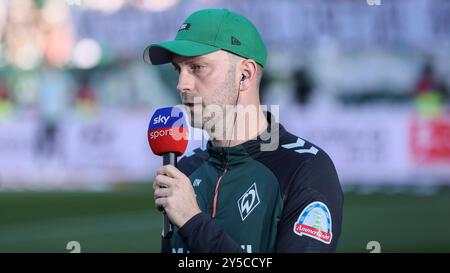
(161,53)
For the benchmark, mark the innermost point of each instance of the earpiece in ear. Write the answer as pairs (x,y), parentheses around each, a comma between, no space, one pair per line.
(242,79)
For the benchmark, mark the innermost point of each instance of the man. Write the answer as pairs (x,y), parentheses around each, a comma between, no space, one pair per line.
(238,196)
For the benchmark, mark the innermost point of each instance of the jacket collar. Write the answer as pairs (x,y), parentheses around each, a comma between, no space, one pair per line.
(238,154)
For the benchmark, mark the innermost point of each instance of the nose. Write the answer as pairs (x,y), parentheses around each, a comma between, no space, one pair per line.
(185,82)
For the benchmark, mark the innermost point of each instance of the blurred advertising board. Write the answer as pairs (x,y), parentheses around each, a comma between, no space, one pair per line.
(368,147)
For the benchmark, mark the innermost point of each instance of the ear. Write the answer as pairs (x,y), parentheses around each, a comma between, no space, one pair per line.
(248,74)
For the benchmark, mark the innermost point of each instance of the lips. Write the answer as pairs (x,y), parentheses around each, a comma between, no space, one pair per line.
(191,105)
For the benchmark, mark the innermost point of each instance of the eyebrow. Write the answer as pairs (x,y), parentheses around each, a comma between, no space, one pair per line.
(190,60)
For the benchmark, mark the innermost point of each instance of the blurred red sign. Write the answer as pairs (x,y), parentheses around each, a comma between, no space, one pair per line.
(430,140)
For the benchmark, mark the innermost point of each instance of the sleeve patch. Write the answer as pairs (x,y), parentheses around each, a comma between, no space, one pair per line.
(315,222)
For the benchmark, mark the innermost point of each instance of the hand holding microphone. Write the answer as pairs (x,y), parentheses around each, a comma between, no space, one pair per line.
(174,192)
(167,136)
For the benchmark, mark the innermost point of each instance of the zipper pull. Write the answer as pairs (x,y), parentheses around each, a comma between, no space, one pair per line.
(216,191)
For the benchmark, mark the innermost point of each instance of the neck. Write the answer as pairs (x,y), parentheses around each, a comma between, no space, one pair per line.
(243,123)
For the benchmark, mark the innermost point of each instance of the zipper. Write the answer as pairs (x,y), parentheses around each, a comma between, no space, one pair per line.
(216,191)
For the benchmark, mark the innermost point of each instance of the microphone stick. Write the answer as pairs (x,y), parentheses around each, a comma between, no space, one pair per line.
(168,159)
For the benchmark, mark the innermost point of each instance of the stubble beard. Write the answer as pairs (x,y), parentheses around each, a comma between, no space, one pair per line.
(212,113)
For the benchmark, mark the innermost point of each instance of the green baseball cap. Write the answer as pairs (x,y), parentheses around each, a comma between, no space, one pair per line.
(206,31)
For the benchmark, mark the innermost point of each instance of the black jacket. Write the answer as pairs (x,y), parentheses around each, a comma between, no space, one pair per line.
(285,200)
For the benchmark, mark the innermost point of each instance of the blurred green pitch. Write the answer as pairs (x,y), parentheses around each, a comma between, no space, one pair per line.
(124,220)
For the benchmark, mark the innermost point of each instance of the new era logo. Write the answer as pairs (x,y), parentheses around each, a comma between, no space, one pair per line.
(248,201)
(235,41)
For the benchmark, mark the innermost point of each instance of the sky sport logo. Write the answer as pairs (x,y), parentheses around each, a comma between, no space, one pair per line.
(168,128)
(168,122)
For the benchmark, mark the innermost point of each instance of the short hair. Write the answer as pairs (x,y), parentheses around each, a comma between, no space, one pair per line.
(259,69)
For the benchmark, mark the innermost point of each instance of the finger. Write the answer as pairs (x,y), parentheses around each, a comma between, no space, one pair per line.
(162,192)
(163,181)
(170,171)
(161,170)
(161,203)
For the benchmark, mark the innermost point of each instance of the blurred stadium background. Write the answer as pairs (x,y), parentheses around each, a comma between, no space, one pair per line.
(368,83)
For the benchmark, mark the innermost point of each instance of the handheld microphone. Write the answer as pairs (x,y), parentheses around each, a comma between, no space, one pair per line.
(168,137)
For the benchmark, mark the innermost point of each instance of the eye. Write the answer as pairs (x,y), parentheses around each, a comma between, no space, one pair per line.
(196,67)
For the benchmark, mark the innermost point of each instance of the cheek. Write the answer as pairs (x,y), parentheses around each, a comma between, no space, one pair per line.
(206,90)
(214,89)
